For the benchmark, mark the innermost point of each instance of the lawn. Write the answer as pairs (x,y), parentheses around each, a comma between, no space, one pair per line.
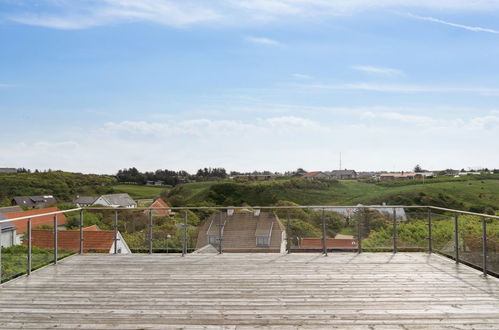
(458,194)
(139,192)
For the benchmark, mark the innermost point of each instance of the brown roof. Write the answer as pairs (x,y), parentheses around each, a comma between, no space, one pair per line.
(22,225)
(331,243)
(93,241)
(92,228)
(160,203)
(310,174)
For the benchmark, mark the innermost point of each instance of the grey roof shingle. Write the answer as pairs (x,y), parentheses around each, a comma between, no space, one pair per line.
(9,209)
(31,201)
(119,199)
(6,226)
(86,200)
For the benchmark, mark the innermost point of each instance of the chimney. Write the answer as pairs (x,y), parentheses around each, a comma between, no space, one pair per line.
(256,212)
(230,211)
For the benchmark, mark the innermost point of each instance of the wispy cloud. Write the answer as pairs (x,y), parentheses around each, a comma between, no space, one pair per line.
(63,23)
(65,14)
(263,41)
(403,88)
(81,15)
(401,117)
(456,25)
(378,70)
(301,76)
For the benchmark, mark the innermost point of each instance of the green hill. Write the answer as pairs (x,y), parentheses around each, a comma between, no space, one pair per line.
(476,194)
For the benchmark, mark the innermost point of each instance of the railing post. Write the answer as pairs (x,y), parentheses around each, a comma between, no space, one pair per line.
(81,231)
(288,232)
(456,238)
(324,234)
(150,231)
(395,233)
(484,245)
(56,243)
(115,232)
(220,231)
(359,233)
(184,236)
(28,269)
(0,256)
(430,234)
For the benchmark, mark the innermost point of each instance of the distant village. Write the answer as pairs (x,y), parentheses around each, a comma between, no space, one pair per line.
(41,209)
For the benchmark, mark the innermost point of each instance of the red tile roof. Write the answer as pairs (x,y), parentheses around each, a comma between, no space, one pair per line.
(22,225)
(158,203)
(92,228)
(332,243)
(93,241)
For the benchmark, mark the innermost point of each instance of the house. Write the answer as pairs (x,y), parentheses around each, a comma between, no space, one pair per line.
(94,240)
(9,209)
(159,208)
(343,174)
(154,183)
(460,174)
(34,201)
(397,176)
(349,212)
(244,231)
(337,244)
(83,201)
(316,175)
(8,236)
(47,220)
(8,170)
(424,175)
(116,200)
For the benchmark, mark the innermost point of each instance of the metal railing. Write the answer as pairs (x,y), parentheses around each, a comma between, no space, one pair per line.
(360,228)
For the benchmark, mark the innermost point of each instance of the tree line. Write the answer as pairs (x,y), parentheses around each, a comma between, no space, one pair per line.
(169,177)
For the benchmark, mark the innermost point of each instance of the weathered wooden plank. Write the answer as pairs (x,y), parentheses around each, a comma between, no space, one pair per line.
(406,290)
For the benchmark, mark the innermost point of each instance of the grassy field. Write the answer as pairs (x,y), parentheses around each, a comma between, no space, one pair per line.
(460,194)
(467,195)
(139,192)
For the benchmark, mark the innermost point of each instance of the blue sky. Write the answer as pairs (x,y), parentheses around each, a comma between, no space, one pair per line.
(95,86)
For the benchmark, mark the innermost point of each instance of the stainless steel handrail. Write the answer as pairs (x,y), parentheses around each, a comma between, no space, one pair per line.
(116,211)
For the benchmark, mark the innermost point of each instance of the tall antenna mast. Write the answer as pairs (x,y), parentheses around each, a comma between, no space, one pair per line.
(340,161)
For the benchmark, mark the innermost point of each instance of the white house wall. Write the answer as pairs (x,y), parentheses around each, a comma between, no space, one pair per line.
(122,246)
(8,238)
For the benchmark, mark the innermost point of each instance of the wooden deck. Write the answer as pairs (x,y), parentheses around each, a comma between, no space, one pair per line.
(343,290)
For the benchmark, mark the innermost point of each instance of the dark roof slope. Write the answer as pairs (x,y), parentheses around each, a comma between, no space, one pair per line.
(31,201)
(6,226)
(87,200)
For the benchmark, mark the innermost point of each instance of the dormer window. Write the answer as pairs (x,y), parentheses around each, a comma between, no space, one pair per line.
(262,241)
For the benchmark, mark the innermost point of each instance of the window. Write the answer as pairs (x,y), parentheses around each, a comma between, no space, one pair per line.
(213,240)
(262,241)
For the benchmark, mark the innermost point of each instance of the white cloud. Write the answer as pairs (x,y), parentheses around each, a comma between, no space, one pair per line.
(366,135)
(461,26)
(65,14)
(403,88)
(477,123)
(263,41)
(405,118)
(301,76)
(378,70)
